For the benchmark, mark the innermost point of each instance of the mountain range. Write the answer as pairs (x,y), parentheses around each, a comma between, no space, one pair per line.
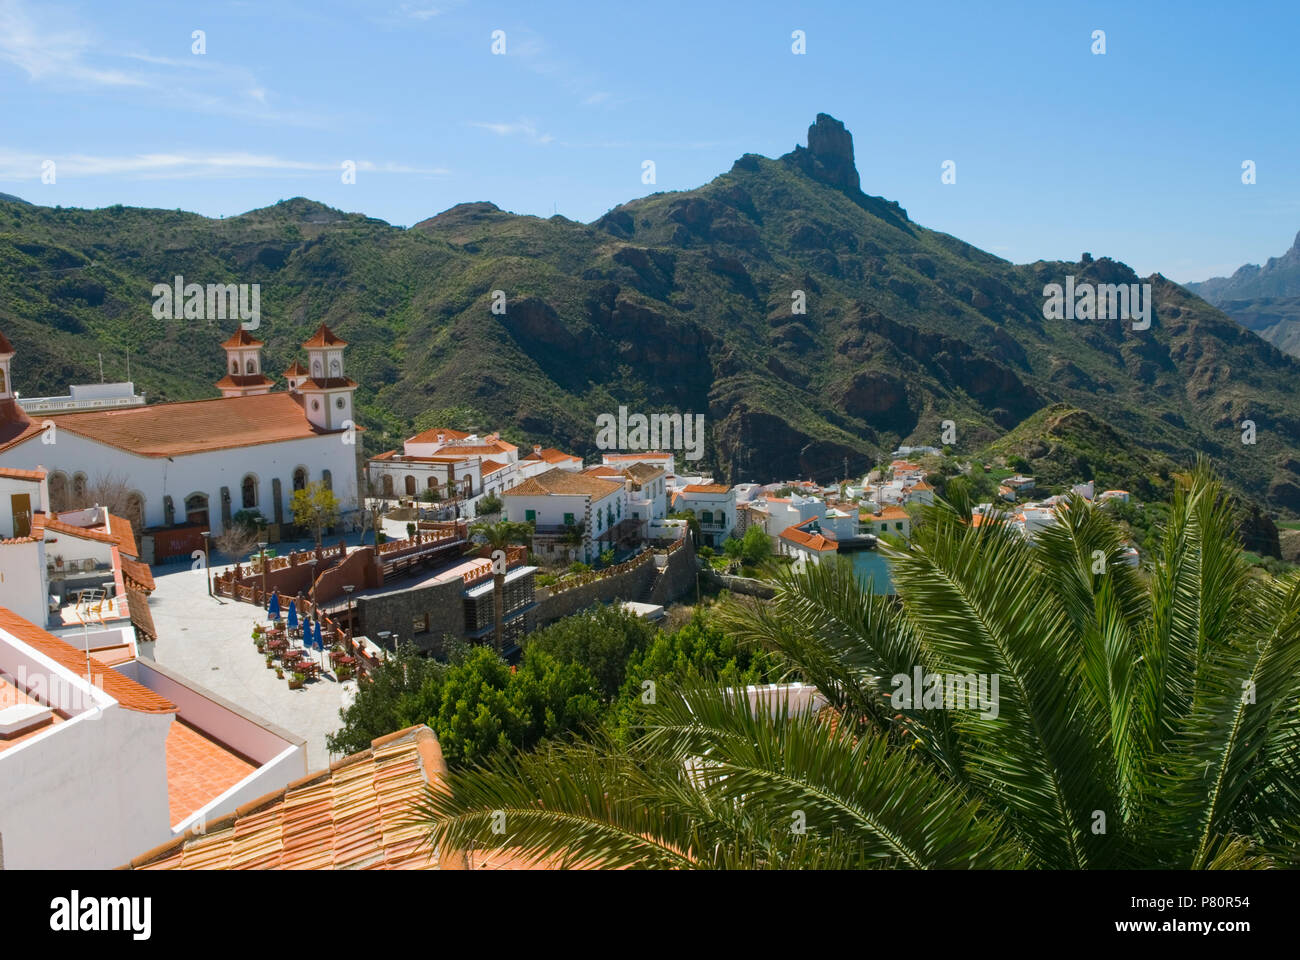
(677,302)
(1264,299)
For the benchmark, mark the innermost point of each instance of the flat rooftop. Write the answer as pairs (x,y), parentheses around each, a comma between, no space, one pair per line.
(199,769)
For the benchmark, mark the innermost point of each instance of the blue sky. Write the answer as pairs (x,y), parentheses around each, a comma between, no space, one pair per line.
(1135,154)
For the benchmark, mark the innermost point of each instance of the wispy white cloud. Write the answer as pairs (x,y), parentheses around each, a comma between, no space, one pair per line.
(54,50)
(20,166)
(520,128)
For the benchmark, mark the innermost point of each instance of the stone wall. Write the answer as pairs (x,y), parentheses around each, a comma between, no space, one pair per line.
(644,583)
(397,612)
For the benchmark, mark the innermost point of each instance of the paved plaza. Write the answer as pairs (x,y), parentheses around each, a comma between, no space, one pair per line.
(209,640)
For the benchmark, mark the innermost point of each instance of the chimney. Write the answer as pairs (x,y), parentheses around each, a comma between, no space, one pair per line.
(537,449)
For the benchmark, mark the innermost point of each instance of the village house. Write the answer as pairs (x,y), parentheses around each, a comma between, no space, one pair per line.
(806,542)
(191,466)
(101,761)
(575,515)
(713,505)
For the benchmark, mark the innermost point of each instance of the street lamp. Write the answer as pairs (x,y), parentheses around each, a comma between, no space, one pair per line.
(207,560)
(348,588)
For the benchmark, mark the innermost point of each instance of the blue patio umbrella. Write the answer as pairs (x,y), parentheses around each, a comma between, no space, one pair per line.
(293,615)
(273,611)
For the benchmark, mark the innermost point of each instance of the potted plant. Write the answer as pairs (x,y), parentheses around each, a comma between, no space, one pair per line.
(297,680)
(279,673)
(344,672)
(260,644)
(270,661)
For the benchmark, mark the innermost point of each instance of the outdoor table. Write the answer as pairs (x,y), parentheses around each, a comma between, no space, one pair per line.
(342,659)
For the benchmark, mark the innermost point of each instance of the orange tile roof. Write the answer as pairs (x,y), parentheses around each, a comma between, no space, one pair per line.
(135,572)
(893,513)
(480,449)
(551,455)
(9,473)
(706,488)
(603,470)
(324,337)
(137,607)
(199,769)
(244,380)
(563,483)
(131,695)
(15,425)
(813,541)
(196,426)
(921,485)
(97,534)
(119,528)
(490,466)
(636,456)
(355,815)
(296,369)
(431,436)
(5,345)
(242,338)
(642,472)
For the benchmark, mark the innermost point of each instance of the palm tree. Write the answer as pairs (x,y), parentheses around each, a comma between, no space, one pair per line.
(1144,718)
(500,535)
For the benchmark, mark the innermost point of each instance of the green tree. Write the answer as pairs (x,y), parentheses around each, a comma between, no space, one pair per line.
(756,546)
(601,639)
(315,507)
(1142,719)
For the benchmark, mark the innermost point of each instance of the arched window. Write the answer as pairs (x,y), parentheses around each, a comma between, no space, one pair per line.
(336,368)
(300,478)
(315,368)
(249,488)
(432,485)
(78,485)
(410,485)
(326,480)
(196,509)
(2,381)
(388,485)
(250,366)
(234,366)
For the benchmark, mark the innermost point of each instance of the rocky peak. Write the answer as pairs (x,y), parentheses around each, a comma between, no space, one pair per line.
(829,154)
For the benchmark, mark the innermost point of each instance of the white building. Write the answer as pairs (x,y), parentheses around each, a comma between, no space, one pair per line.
(94,767)
(714,506)
(200,462)
(560,502)
(806,542)
(656,458)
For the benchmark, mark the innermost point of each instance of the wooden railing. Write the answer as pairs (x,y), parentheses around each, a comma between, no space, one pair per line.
(582,579)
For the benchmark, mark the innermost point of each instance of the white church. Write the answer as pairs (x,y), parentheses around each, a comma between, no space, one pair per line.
(200,462)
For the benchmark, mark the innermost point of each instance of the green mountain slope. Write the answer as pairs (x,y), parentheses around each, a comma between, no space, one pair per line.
(675,302)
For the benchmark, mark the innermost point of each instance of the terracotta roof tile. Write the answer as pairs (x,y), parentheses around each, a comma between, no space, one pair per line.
(812,541)
(131,695)
(563,483)
(242,338)
(9,473)
(431,436)
(230,381)
(195,426)
(138,574)
(356,815)
(552,455)
(324,337)
(97,533)
(5,345)
(706,488)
